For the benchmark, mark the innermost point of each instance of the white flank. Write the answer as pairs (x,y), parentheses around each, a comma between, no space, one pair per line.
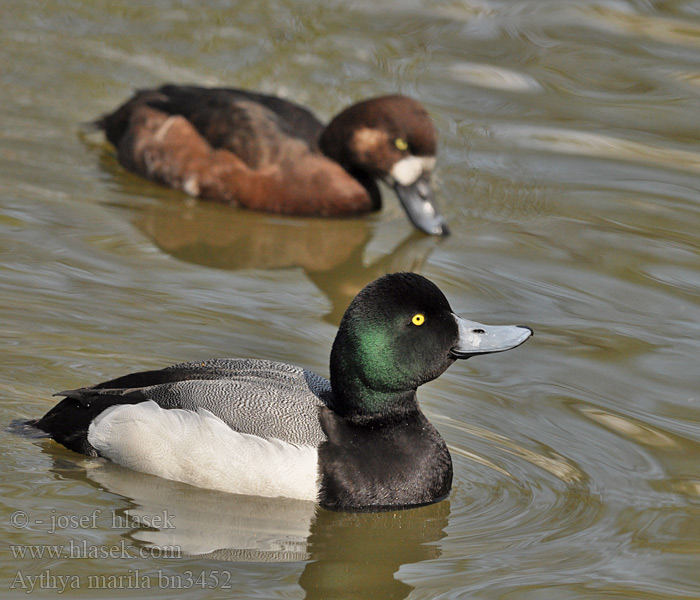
(409,169)
(200,449)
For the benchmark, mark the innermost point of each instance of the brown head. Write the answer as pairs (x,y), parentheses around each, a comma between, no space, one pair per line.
(391,138)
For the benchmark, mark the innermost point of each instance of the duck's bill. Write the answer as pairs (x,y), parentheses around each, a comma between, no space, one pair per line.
(476,338)
(418,201)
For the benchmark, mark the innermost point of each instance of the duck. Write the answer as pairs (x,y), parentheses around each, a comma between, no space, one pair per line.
(269,154)
(355,442)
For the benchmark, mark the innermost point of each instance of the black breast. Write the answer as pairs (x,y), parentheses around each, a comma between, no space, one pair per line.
(382,465)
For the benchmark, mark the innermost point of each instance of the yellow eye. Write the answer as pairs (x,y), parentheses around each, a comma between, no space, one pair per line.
(401,144)
(418,319)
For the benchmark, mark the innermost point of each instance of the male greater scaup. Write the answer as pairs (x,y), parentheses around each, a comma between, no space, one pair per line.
(356,442)
(265,153)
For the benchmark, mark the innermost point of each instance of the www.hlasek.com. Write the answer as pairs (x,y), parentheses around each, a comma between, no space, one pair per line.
(131,580)
(83,549)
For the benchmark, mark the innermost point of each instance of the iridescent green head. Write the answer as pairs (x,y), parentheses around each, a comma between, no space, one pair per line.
(398,333)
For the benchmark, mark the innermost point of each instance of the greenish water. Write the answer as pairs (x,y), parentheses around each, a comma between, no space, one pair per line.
(568,170)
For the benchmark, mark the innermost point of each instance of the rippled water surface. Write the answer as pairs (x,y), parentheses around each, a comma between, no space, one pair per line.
(569,166)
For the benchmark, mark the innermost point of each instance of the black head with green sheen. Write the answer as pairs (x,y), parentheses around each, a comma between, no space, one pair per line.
(397,334)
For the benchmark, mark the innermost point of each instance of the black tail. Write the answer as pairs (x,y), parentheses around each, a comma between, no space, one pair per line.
(68,422)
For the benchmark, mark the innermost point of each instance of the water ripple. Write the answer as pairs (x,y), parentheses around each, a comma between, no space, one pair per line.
(599,145)
(512,495)
(493,77)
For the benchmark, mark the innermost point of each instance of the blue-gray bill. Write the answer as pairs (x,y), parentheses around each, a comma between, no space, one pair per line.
(477,338)
(418,201)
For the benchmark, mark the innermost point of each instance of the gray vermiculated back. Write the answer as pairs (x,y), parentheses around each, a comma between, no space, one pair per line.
(259,397)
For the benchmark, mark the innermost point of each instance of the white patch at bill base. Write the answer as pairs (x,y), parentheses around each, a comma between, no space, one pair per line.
(409,169)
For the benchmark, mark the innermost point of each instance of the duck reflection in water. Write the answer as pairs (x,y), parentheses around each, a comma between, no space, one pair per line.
(331,252)
(348,555)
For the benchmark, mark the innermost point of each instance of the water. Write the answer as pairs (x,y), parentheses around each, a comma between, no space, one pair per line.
(568,169)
